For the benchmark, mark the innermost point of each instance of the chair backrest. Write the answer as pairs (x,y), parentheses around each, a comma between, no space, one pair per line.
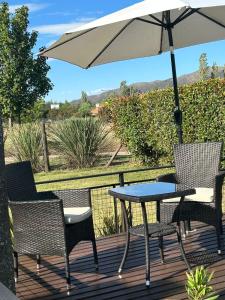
(197,164)
(38,227)
(19,180)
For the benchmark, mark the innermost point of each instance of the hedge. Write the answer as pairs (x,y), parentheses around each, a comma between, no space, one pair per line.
(145,122)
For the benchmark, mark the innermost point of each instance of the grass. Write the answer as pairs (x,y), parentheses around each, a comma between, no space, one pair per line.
(81,183)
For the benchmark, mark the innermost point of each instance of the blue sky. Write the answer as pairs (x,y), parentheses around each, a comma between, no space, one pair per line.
(53,17)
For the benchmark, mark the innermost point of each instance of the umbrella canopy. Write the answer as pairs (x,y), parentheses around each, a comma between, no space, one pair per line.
(143,29)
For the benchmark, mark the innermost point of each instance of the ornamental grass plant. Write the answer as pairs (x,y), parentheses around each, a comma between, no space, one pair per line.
(79,140)
(26,144)
(198,285)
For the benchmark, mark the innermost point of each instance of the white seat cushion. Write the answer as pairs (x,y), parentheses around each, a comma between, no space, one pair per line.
(76,214)
(202,195)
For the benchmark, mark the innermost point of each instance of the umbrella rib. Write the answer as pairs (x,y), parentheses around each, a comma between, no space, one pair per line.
(161,36)
(183,17)
(211,19)
(109,43)
(149,22)
(62,43)
(156,19)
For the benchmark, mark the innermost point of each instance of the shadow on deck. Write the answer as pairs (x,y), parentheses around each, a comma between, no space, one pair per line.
(168,280)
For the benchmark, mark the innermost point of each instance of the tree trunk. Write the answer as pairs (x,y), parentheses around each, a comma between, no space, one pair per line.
(6,258)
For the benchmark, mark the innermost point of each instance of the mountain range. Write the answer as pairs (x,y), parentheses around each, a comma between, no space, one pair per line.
(143,87)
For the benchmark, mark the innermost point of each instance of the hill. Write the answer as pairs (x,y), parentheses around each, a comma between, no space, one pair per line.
(148,86)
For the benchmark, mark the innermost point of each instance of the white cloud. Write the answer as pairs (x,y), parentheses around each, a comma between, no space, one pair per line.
(58,29)
(32,6)
(97,91)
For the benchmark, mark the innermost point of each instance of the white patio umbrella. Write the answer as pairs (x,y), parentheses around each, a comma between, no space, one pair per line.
(144,29)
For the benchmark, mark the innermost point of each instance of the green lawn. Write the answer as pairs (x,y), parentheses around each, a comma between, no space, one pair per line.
(62,174)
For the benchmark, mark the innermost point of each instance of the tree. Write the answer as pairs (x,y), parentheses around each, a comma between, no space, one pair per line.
(215,71)
(36,113)
(84,109)
(126,90)
(23,77)
(203,67)
(84,97)
(85,105)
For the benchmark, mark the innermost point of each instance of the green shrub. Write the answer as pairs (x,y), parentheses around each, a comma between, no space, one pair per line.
(79,140)
(145,122)
(26,144)
(109,226)
(198,285)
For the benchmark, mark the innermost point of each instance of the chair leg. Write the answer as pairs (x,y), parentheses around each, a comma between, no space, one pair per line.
(161,248)
(182,251)
(38,258)
(188,225)
(147,259)
(16,268)
(218,233)
(125,252)
(95,253)
(68,281)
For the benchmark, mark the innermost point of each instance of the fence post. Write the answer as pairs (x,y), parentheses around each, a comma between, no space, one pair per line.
(45,146)
(121,178)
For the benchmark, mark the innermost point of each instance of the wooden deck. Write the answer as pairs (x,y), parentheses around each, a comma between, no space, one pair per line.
(168,279)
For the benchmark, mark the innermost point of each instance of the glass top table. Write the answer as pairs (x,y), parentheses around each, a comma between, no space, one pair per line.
(143,193)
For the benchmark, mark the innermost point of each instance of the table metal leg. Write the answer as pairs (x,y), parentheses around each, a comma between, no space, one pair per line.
(127,236)
(146,234)
(179,235)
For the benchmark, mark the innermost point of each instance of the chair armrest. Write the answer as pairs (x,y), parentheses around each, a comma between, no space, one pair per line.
(70,197)
(171,177)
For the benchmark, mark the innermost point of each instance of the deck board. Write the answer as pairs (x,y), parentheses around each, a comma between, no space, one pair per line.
(168,280)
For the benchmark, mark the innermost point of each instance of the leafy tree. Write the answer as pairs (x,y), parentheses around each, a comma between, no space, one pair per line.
(84,97)
(215,71)
(36,113)
(126,90)
(23,77)
(84,109)
(203,67)
(85,105)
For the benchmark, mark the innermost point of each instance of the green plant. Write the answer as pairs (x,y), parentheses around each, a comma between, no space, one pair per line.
(198,285)
(26,144)
(109,226)
(145,122)
(79,140)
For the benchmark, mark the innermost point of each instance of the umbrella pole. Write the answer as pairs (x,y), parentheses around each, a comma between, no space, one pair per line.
(177,111)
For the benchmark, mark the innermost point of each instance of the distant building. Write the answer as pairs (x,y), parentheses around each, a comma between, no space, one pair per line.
(96,110)
(54,106)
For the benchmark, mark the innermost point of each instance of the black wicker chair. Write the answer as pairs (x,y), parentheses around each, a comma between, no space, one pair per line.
(197,166)
(42,221)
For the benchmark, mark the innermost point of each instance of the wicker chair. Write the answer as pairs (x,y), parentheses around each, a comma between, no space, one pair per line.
(47,223)
(197,166)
